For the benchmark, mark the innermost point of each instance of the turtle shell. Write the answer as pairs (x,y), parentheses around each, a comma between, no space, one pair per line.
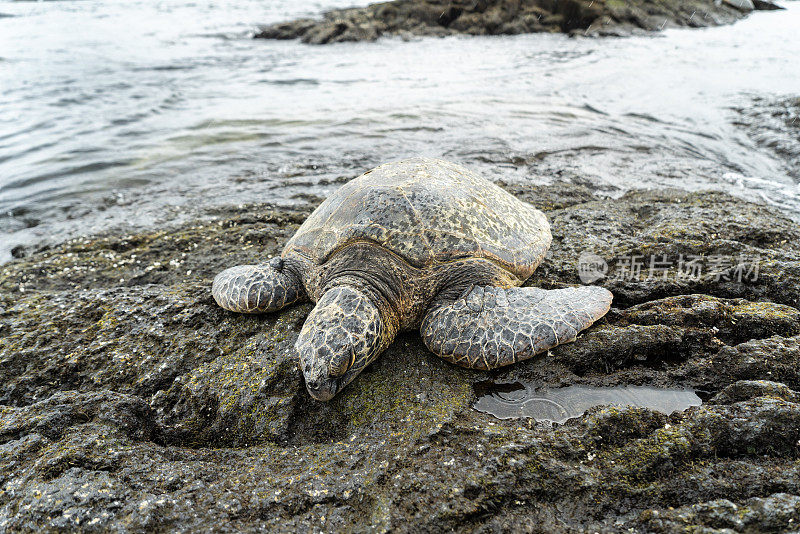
(429,212)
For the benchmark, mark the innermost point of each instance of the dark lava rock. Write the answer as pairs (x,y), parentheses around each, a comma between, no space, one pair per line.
(764,5)
(770,514)
(130,402)
(504,17)
(748,389)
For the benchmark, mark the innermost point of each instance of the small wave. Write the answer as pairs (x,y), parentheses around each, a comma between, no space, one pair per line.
(233,36)
(773,124)
(168,68)
(293,81)
(645,116)
(76,170)
(589,107)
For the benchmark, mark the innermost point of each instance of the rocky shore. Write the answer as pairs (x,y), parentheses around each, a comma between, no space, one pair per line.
(407,18)
(130,402)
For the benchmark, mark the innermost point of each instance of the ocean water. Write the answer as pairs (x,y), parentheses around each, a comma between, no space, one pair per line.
(118,115)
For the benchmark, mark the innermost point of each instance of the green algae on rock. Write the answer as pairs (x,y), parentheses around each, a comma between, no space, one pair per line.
(139,405)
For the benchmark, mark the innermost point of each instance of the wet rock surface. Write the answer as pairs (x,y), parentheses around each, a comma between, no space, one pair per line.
(406,18)
(129,401)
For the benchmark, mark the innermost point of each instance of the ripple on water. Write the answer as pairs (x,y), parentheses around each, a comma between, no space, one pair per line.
(517,400)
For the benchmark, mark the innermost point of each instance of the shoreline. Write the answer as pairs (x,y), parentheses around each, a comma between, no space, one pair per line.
(130,400)
(439,18)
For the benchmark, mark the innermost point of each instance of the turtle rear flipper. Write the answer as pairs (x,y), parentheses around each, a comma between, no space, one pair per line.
(257,288)
(489,327)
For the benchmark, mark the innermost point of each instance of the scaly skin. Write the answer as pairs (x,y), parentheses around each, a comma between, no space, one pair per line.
(257,288)
(489,327)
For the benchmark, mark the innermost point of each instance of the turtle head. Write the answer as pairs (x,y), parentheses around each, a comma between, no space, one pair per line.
(341,336)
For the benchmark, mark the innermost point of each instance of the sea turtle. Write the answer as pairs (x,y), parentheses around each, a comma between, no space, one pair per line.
(419,243)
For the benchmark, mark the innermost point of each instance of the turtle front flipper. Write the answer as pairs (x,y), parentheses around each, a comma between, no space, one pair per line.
(257,288)
(489,327)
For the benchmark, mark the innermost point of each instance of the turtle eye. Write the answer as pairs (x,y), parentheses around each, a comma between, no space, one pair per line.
(339,364)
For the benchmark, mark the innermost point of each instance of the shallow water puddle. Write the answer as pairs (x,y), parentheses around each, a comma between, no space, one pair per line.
(509,401)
